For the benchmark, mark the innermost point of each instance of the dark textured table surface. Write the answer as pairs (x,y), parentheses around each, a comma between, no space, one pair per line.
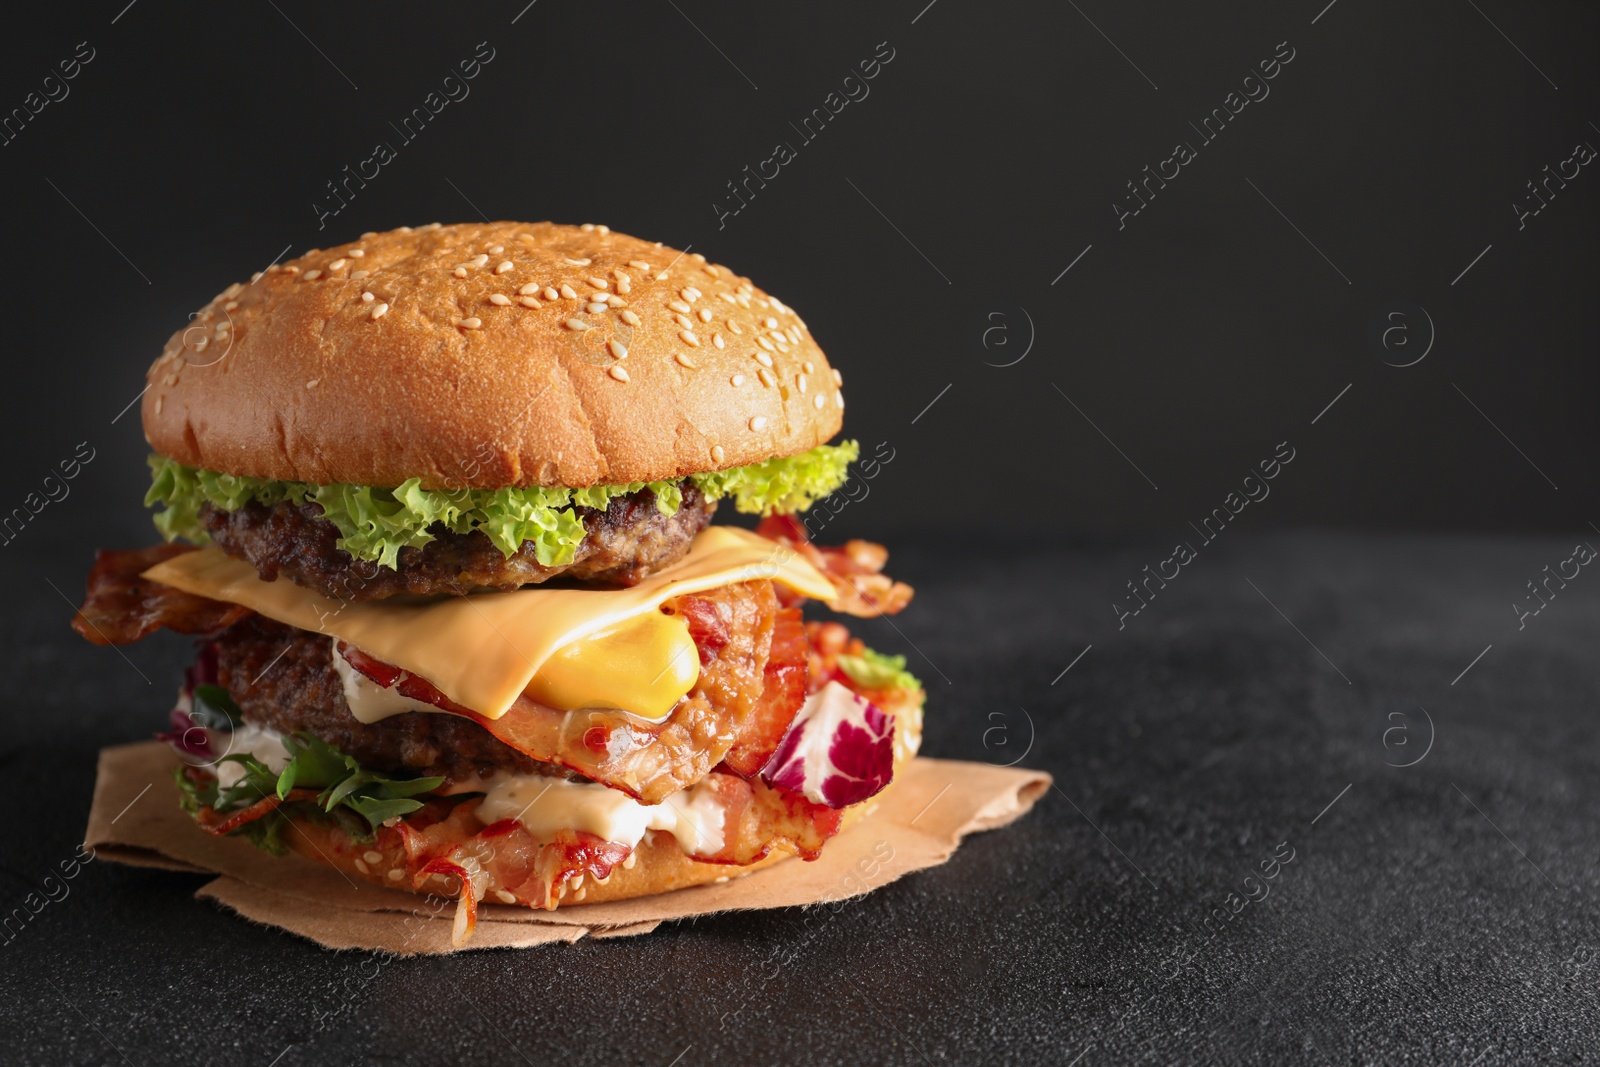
(1262,706)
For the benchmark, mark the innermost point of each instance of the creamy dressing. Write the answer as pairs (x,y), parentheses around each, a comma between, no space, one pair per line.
(370,702)
(261,742)
(546,805)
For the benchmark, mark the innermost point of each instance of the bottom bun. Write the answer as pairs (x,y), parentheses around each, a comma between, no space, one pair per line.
(445,850)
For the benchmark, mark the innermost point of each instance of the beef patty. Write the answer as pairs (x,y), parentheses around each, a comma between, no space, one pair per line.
(283,678)
(626,542)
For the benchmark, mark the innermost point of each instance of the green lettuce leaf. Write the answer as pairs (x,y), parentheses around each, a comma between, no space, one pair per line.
(874,670)
(345,786)
(375,524)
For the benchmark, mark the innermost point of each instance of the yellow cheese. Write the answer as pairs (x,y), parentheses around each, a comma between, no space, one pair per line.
(569,648)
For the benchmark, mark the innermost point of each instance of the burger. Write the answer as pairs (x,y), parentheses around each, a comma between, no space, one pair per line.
(438,505)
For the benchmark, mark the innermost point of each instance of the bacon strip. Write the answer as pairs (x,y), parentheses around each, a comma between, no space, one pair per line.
(120,607)
(855,569)
(781,697)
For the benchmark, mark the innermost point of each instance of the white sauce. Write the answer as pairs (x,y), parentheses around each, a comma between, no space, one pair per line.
(370,702)
(546,805)
(264,744)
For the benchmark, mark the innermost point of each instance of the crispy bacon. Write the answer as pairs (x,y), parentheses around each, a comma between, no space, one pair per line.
(781,697)
(120,607)
(757,819)
(218,823)
(855,569)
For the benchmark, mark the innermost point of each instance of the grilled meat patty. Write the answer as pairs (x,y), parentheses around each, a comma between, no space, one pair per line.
(627,541)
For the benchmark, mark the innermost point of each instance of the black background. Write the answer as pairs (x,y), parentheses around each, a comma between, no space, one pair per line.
(1219,322)
(1196,338)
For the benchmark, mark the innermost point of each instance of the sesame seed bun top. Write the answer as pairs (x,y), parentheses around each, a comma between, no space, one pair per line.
(490,355)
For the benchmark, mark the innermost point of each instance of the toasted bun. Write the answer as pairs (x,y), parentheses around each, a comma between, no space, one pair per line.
(471,367)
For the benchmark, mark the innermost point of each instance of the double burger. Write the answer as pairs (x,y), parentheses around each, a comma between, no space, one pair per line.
(438,506)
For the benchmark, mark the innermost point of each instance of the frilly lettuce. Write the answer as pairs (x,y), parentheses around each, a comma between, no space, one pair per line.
(874,670)
(375,524)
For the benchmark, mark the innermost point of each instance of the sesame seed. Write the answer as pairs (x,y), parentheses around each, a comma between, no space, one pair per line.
(838,379)
(595,308)
(551,294)
(479,260)
(579,262)
(471,322)
(818,401)
(737,379)
(497,249)
(728,297)
(684,360)
(505,896)
(689,338)
(379,310)
(709,269)
(569,292)
(630,318)
(616,301)
(598,283)
(679,306)
(840,398)
(639,264)
(504,265)
(618,349)
(158,404)
(529,302)
(705,314)
(743,300)
(460,272)
(763,359)
(367,298)
(358,252)
(782,347)
(618,373)
(661,276)
(758,423)
(717,454)
(716,339)
(697,257)
(808,366)
(766,377)
(396,874)
(499,298)
(531,289)
(372,856)
(683,321)
(336,264)
(770,323)
(577,324)
(800,382)
(764,343)
(358,275)
(735,327)
(312,275)
(689,293)
(624,285)
(362,866)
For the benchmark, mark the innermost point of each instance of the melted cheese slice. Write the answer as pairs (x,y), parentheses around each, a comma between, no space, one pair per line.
(566,648)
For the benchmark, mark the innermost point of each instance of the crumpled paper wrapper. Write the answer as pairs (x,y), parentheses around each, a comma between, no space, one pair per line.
(135,819)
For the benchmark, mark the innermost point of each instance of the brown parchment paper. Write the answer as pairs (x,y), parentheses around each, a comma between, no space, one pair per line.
(135,819)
